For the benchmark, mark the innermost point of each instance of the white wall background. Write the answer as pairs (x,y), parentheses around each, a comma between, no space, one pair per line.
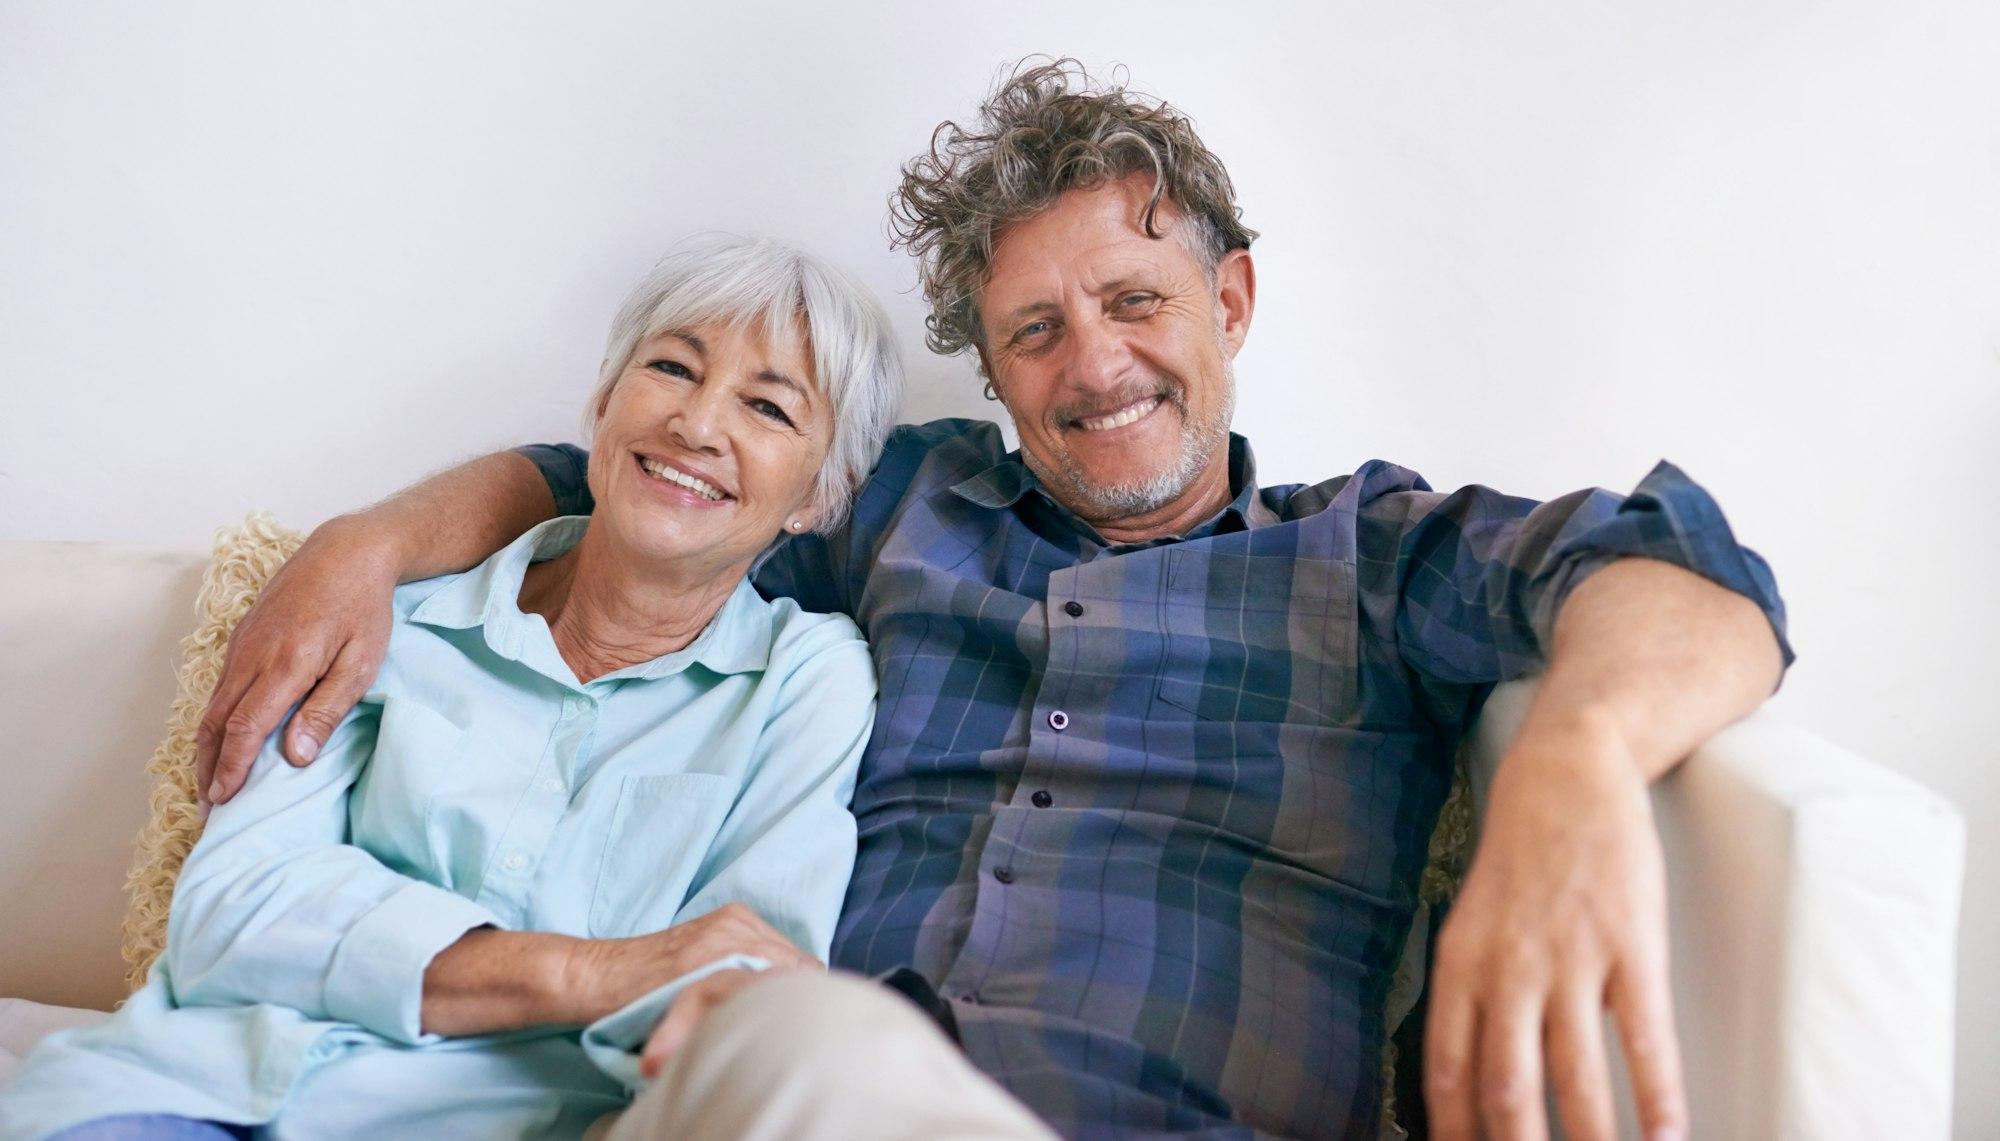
(292,256)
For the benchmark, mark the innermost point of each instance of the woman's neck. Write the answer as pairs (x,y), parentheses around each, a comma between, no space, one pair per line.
(607,613)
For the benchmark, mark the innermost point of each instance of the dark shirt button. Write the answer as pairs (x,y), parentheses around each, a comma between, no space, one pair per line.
(972,997)
(1073,608)
(1058,720)
(1042,798)
(1004,875)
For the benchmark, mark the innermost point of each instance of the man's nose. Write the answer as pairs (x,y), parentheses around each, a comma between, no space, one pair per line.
(1099,358)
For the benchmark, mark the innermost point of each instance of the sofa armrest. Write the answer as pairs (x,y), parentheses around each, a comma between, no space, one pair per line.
(89,637)
(1813,907)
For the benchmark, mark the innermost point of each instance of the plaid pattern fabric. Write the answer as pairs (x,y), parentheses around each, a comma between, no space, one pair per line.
(1152,816)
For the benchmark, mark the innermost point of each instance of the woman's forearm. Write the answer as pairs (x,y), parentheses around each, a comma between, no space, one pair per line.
(491,981)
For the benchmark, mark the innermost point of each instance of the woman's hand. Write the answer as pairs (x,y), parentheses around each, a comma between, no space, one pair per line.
(603,975)
(491,981)
(690,1009)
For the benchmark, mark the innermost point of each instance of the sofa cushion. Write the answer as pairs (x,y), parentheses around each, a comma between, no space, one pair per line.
(88,641)
(24,1023)
(245,559)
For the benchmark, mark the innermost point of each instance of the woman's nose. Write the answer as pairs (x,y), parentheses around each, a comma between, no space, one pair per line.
(697,422)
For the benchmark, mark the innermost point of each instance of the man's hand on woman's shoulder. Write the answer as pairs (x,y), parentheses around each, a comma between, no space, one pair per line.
(320,630)
(318,633)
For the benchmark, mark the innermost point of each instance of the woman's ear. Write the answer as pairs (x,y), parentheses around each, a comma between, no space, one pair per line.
(813,514)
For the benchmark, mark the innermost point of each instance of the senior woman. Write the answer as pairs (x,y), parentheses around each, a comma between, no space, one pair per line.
(591,771)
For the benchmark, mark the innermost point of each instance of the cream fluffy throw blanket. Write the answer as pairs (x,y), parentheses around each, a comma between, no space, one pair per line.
(245,559)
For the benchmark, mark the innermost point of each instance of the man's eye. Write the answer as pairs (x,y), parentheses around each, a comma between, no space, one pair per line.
(671,368)
(771,411)
(1031,330)
(1136,300)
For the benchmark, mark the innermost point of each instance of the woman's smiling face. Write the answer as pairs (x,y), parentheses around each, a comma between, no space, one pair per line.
(709,444)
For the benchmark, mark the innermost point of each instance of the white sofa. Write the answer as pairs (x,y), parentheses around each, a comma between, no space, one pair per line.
(1814,894)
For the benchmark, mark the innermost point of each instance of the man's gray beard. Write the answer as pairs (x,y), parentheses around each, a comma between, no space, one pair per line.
(1106,502)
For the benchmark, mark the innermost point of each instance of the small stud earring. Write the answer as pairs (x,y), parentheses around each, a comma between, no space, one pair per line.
(796,524)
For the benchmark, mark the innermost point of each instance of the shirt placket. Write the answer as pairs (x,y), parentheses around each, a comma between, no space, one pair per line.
(507,888)
(1026,847)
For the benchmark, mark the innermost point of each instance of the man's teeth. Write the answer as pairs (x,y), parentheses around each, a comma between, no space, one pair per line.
(1122,417)
(700,487)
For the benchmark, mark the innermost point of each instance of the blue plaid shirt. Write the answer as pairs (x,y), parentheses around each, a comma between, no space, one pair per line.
(1152,815)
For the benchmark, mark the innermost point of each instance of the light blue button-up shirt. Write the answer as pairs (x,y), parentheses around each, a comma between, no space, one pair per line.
(479,783)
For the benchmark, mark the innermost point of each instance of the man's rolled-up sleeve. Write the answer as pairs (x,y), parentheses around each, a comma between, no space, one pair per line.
(566,469)
(1480,577)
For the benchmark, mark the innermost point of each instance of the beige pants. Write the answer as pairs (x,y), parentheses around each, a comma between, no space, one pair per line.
(807,1056)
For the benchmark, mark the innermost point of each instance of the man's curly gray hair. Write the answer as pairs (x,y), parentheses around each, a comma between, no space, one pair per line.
(1046,129)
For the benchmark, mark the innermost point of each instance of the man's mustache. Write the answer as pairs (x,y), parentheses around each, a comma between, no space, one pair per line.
(1122,396)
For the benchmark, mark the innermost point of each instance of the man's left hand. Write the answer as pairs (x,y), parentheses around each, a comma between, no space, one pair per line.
(1562,915)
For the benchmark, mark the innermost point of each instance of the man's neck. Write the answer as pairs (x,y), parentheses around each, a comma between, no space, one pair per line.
(1196,504)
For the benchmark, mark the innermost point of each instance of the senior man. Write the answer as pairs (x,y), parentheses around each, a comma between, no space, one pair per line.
(1159,749)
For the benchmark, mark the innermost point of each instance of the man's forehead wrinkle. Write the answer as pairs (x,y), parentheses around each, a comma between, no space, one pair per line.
(1123,269)
(1099,243)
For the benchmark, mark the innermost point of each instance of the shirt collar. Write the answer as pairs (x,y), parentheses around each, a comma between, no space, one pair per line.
(487,598)
(1006,482)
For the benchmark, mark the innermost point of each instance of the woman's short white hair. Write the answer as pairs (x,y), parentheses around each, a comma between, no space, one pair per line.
(761,282)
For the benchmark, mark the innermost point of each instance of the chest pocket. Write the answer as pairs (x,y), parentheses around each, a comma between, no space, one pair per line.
(661,831)
(1258,638)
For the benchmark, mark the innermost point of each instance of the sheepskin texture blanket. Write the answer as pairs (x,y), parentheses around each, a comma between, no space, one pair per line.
(245,559)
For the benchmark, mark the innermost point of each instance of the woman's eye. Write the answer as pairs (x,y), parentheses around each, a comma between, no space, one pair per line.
(771,411)
(671,368)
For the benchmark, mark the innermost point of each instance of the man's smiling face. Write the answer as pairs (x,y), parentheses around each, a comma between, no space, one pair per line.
(1112,352)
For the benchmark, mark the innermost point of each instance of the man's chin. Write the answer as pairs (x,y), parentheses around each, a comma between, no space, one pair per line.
(1124,494)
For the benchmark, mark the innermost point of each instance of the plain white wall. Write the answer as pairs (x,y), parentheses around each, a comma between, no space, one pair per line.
(293,256)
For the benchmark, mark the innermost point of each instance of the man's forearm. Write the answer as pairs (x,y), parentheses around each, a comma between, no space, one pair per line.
(1563,914)
(1658,656)
(450,521)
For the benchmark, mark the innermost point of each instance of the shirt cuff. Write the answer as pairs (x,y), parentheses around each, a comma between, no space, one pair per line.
(1671,518)
(615,1041)
(376,980)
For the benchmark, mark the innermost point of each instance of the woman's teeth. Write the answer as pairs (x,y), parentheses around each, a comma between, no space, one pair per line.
(700,487)
(1126,415)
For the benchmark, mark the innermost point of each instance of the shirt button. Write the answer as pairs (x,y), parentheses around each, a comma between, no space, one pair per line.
(572,707)
(1004,875)
(514,862)
(1073,608)
(1058,720)
(1042,798)
(553,785)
